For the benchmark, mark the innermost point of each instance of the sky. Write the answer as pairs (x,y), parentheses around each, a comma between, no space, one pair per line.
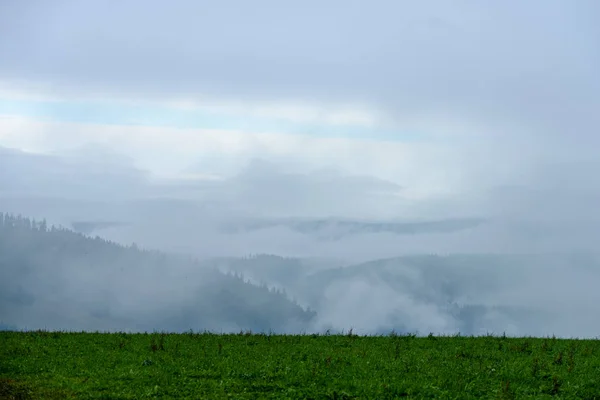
(353,109)
(436,97)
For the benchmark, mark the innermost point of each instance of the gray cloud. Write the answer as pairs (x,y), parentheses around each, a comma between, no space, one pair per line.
(318,213)
(505,65)
(84,173)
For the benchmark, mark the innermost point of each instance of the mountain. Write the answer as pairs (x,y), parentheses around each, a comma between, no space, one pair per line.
(58,279)
(474,294)
(337,228)
(521,294)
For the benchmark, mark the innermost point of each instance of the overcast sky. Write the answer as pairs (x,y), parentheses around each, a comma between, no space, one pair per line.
(372,109)
(439,97)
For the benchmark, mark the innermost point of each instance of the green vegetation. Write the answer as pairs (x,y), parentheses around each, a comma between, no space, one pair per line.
(47,365)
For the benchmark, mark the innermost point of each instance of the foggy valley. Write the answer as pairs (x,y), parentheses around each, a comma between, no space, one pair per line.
(121,252)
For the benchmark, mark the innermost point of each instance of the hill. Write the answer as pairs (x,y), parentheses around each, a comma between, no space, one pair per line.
(55,278)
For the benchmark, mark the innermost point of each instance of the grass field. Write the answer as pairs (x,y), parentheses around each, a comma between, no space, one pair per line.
(53,365)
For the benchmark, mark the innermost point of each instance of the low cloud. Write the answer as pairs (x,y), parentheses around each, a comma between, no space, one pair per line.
(483,285)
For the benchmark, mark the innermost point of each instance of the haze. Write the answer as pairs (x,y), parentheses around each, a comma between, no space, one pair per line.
(418,167)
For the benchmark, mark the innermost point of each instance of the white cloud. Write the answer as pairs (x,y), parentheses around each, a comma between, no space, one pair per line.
(424,168)
(290,111)
(293,111)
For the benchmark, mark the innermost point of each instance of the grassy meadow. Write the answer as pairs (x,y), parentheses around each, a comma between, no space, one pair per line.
(55,365)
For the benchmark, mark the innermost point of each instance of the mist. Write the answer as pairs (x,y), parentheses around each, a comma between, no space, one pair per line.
(432,171)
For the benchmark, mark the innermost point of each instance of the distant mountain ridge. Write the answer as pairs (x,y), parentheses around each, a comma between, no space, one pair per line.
(335,228)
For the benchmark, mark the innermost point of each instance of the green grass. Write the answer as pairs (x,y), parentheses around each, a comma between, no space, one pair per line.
(53,365)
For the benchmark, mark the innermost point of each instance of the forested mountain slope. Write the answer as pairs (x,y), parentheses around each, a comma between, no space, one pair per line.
(55,278)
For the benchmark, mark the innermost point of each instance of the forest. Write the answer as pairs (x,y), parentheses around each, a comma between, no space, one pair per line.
(125,287)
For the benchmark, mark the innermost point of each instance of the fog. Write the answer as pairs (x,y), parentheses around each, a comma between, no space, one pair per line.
(417,168)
